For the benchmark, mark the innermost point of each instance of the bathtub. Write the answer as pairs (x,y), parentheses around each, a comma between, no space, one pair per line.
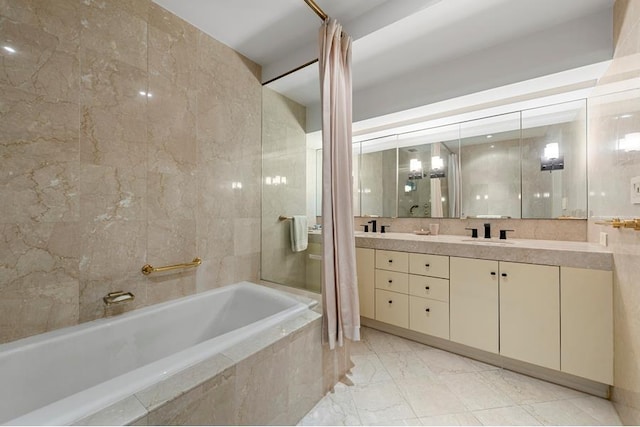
(64,376)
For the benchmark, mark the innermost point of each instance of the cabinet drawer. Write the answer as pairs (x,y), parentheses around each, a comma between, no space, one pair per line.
(392,308)
(429,287)
(391,260)
(392,281)
(429,265)
(429,316)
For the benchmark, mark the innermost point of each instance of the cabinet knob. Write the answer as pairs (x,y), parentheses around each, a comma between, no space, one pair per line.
(390,281)
(390,260)
(493,273)
(390,301)
(504,274)
(427,310)
(426,265)
(426,288)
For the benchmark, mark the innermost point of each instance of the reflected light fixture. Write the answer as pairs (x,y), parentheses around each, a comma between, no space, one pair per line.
(9,49)
(551,159)
(630,142)
(415,169)
(437,167)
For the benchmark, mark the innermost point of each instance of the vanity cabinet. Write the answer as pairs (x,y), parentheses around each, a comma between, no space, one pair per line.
(365,263)
(586,298)
(530,313)
(474,303)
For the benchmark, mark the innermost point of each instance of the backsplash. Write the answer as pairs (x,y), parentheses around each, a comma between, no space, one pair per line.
(123,132)
(541,229)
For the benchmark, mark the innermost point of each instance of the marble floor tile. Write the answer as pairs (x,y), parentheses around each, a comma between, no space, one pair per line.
(428,398)
(560,412)
(335,409)
(381,342)
(462,419)
(508,416)
(361,347)
(380,402)
(401,382)
(405,364)
(600,409)
(368,369)
(442,362)
(476,392)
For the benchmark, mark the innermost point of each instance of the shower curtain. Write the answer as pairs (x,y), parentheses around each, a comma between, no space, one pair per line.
(341,311)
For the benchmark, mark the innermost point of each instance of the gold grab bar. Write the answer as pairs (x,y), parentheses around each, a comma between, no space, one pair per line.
(148,269)
(618,223)
(284,218)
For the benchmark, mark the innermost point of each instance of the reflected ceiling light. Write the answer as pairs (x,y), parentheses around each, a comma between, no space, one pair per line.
(489,136)
(551,151)
(625,116)
(437,162)
(630,142)
(147,94)
(415,165)
(9,49)
(551,159)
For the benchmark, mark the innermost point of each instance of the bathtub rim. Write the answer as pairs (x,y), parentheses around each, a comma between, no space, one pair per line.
(64,411)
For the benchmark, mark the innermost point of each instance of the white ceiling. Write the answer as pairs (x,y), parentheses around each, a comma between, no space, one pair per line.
(408,53)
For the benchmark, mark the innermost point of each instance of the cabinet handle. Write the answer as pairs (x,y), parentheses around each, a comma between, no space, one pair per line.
(390,260)
(390,301)
(504,274)
(390,281)
(493,273)
(427,310)
(426,265)
(426,288)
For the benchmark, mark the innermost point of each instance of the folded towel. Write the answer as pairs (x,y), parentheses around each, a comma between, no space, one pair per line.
(299,232)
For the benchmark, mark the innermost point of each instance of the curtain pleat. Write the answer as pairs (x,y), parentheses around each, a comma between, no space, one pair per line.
(341,310)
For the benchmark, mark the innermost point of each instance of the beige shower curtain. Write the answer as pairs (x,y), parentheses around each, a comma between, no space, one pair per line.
(339,283)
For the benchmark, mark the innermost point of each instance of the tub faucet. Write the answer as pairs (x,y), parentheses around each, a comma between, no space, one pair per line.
(118,297)
(487,231)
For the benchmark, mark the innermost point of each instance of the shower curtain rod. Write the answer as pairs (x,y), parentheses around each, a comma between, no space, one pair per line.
(312,4)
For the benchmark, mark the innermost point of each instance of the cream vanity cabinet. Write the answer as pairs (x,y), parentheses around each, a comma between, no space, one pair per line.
(365,262)
(508,308)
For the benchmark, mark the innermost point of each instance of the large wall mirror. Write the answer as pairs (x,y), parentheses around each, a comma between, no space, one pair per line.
(524,164)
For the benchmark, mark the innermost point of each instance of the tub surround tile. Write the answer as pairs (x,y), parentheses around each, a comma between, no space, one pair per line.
(125,412)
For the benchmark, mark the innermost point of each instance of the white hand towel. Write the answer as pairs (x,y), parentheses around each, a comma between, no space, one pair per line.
(299,233)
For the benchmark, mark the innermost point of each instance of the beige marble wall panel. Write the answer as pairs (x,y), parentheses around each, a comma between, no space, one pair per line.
(610,170)
(171,196)
(42,63)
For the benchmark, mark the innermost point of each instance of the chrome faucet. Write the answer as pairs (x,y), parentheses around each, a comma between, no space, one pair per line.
(118,297)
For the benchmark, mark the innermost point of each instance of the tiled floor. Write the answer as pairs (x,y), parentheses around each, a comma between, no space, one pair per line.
(401,382)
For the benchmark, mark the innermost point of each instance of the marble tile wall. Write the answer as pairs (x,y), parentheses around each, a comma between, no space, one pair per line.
(284,187)
(614,112)
(122,131)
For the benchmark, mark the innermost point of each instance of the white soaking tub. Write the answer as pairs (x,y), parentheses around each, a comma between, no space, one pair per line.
(64,376)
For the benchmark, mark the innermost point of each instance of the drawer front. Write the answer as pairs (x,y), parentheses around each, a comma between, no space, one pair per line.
(392,281)
(429,265)
(429,287)
(392,260)
(392,308)
(429,316)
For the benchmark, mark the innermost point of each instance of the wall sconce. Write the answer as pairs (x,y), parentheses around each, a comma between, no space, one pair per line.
(630,142)
(437,167)
(551,159)
(415,169)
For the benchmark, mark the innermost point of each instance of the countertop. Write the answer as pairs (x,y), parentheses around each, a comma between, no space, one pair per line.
(548,252)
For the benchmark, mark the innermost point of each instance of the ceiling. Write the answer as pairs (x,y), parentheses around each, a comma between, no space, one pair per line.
(408,53)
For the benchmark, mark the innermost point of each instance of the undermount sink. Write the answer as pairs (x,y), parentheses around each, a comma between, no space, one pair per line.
(495,242)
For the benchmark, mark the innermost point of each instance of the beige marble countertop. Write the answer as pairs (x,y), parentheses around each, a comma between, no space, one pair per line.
(548,252)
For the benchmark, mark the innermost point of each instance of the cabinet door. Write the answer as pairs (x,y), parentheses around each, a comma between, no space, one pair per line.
(392,308)
(474,303)
(530,313)
(365,262)
(429,265)
(587,323)
(392,260)
(392,281)
(429,316)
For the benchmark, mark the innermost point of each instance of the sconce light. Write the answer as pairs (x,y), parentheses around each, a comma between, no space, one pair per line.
(437,167)
(551,160)
(630,142)
(415,169)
